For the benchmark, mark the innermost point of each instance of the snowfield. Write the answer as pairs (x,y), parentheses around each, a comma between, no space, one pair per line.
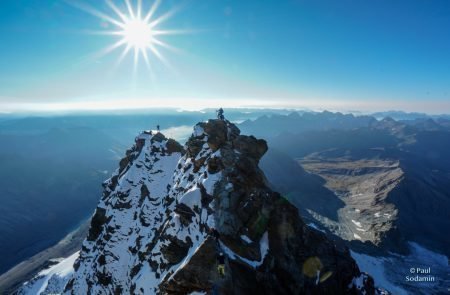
(51,280)
(390,272)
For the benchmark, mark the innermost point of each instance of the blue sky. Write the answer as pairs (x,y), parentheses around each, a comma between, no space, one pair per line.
(345,55)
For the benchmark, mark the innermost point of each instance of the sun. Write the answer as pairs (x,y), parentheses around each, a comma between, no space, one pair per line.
(136,32)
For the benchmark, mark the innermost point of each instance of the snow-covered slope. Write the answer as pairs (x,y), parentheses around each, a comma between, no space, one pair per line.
(390,271)
(129,222)
(151,232)
(51,280)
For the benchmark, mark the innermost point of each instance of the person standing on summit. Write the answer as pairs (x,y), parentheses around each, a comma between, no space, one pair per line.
(220,115)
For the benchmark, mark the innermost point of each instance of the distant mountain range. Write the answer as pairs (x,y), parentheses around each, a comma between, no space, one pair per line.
(407,164)
(272,125)
(405,116)
(269,126)
(379,185)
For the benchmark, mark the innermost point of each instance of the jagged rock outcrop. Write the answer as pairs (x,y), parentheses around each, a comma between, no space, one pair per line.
(151,232)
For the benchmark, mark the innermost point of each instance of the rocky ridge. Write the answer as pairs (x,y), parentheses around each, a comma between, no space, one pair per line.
(151,232)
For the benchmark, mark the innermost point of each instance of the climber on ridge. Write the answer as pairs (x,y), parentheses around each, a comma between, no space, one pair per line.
(157,128)
(220,115)
(221,266)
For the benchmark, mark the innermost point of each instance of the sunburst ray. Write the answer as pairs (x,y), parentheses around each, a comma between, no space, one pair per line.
(137,30)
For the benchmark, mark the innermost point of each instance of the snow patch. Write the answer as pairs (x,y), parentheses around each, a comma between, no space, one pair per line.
(357,223)
(198,131)
(192,198)
(358,282)
(209,183)
(246,239)
(264,249)
(51,280)
(375,267)
(314,226)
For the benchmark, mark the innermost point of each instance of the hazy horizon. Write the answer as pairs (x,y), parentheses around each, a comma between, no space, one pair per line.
(86,109)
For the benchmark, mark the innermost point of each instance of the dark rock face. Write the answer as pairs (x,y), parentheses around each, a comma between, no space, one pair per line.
(245,206)
(294,244)
(185,213)
(176,250)
(98,220)
(198,274)
(250,146)
(166,216)
(173,146)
